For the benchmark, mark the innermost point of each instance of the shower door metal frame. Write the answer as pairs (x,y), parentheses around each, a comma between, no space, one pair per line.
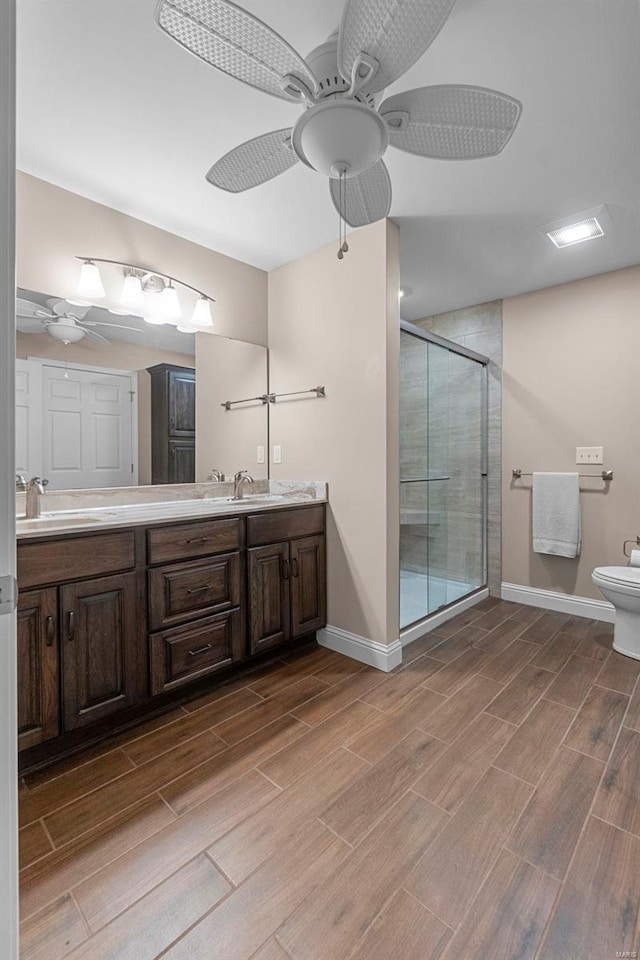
(463,351)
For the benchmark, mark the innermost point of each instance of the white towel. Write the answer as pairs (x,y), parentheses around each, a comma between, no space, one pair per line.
(556,514)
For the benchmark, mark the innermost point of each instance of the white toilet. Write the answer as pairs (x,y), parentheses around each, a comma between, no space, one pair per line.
(621,587)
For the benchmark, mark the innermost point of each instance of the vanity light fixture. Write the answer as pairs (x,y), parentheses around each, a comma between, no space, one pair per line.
(150,295)
(90,283)
(132,295)
(577,232)
(202,313)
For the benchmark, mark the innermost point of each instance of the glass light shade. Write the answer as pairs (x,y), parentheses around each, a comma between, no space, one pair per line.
(202,314)
(90,282)
(154,320)
(185,327)
(132,292)
(169,304)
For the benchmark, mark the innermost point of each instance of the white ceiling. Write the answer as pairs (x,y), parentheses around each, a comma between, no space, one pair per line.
(110,108)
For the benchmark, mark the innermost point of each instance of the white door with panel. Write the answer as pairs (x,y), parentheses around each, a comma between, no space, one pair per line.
(88,428)
(29,418)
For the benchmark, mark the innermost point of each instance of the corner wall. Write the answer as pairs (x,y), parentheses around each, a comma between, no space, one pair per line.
(571,377)
(336,323)
(55,225)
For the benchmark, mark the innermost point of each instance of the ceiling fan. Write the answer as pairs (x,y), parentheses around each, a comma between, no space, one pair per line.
(344,131)
(64,321)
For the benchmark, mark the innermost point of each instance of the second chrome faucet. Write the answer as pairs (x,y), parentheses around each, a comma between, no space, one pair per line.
(239,481)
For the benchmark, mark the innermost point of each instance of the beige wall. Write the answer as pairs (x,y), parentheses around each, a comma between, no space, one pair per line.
(571,377)
(336,323)
(227,440)
(117,355)
(54,225)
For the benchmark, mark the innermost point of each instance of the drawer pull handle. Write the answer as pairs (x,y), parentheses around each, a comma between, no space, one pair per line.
(294,567)
(198,540)
(72,625)
(50,631)
(198,589)
(285,569)
(194,653)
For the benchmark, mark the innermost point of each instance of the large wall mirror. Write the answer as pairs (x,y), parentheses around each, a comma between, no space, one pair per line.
(106,399)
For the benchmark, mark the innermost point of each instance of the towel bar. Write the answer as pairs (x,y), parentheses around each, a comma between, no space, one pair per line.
(606,475)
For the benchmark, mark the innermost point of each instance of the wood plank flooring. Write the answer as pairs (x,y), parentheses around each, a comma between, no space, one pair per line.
(481,802)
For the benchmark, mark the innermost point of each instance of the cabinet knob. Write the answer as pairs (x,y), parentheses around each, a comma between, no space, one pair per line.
(51,631)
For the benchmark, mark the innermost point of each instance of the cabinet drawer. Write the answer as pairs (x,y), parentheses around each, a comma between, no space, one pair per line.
(184,590)
(185,653)
(77,558)
(198,539)
(284,525)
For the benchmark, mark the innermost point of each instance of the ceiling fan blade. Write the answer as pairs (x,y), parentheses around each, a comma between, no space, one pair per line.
(451,122)
(394,32)
(367,197)
(93,335)
(254,162)
(64,308)
(104,323)
(27,308)
(232,40)
(29,324)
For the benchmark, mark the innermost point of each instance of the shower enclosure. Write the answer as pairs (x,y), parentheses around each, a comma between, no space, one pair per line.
(443,473)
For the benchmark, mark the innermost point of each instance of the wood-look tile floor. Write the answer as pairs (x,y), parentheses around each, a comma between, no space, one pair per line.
(481,802)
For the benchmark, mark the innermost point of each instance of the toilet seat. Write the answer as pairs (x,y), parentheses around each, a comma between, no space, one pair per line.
(622,576)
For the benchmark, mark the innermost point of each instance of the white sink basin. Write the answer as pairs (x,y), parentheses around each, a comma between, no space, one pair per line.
(47,520)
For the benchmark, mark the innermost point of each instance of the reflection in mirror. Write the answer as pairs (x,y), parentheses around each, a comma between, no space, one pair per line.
(234,439)
(84,398)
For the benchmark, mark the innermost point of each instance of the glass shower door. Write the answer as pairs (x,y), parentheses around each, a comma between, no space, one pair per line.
(442,475)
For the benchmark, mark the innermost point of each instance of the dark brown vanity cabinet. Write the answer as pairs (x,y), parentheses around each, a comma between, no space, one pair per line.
(38,695)
(98,648)
(117,624)
(197,602)
(287,578)
(173,423)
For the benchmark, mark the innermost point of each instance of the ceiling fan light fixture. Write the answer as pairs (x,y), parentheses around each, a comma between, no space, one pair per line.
(66,330)
(578,232)
(90,283)
(340,135)
(202,314)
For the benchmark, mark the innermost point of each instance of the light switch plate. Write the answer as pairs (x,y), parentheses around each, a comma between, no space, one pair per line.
(260,454)
(277,453)
(589,454)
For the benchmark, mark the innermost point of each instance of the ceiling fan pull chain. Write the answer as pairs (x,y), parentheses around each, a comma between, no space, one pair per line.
(340,208)
(345,245)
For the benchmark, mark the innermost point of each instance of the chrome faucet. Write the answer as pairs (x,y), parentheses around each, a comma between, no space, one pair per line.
(239,480)
(35,489)
(21,483)
(216,475)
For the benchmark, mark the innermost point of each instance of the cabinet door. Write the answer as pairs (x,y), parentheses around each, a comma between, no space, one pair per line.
(99,648)
(268,575)
(38,701)
(308,585)
(182,403)
(182,461)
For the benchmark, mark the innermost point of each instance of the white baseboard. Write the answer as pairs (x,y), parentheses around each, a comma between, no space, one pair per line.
(371,652)
(561,602)
(418,630)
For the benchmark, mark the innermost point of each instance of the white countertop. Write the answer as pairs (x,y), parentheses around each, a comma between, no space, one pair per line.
(85,518)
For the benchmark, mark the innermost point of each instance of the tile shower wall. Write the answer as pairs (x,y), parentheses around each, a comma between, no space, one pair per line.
(479,328)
